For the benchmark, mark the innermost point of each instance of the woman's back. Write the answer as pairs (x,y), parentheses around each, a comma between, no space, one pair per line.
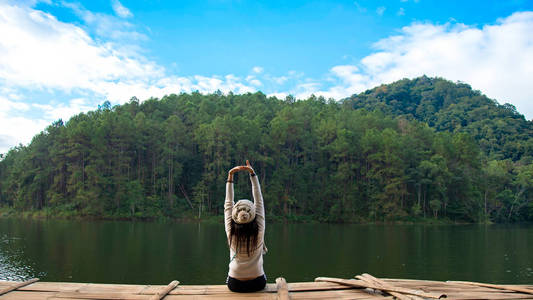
(245,230)
(242,265)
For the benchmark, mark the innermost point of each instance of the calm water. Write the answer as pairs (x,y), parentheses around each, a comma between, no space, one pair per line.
(124,252)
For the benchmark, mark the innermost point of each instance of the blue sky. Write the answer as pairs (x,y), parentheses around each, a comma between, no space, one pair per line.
(59,58)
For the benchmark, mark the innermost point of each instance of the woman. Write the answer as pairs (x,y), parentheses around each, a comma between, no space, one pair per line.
(245,230)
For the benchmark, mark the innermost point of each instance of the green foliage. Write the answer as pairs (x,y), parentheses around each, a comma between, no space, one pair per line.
(500,131)
(422,148)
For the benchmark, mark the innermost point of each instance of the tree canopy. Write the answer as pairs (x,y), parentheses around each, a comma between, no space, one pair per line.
(417,148)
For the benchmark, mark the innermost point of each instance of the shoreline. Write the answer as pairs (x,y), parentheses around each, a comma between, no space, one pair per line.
(10,213)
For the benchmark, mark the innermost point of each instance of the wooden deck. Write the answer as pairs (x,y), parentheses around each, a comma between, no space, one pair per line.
(323,288)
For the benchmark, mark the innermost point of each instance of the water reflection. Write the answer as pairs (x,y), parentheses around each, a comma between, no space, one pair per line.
(14,265)
(153,253)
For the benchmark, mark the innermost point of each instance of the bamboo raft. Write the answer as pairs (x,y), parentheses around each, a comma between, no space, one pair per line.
(362,287)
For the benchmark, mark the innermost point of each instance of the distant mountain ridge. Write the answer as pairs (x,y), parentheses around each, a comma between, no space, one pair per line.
(501,131)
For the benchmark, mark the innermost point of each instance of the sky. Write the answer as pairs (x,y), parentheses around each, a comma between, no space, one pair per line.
(60,57)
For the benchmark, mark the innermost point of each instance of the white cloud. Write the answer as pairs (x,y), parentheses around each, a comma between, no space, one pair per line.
(120,9)
(253,81)
(380,10)
(6,105)
(37,50)
(106,26)
(496,59)
(16,130)
(57,111)
(350,77)
(13,128)
(256,82)
(122,91)
(303,90)
(257,69)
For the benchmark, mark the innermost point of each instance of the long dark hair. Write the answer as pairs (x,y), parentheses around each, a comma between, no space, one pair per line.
(244,235)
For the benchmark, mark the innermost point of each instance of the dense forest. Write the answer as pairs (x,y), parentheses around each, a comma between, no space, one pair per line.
(414,149)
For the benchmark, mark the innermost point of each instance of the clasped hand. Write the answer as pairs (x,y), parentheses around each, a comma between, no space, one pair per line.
(236,169)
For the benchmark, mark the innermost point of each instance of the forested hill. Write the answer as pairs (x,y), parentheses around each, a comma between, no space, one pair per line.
(317,159)
(500,130)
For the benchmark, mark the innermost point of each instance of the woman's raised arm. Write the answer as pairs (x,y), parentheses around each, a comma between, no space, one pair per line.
(258,197)
(228,203)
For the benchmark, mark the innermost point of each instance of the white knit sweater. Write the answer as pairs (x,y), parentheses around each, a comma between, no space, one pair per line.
(244,266)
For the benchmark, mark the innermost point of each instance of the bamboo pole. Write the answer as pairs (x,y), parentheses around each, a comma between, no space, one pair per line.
(283,291)
(495,286)
(363,284)
(160,295)
(383,283)
(97,296)
(18,285)
(371,279)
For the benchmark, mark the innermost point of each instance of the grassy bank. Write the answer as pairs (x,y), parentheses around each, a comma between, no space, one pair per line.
(8,212)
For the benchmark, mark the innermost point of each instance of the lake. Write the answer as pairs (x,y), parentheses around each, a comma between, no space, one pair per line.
(157,253)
